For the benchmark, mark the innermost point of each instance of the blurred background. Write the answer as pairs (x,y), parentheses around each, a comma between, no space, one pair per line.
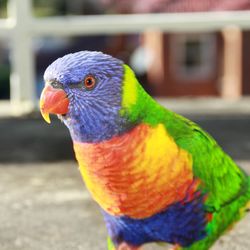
(193,56)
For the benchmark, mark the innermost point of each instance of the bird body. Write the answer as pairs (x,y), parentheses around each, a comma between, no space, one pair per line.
(117,173)
(157,176)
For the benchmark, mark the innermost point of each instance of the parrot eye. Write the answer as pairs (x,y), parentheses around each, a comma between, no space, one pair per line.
(89,82)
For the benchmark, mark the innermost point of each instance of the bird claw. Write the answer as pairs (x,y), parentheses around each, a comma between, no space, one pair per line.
(125,246)
(176,247)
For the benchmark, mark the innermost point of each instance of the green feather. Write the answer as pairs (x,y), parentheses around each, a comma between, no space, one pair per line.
(110,244)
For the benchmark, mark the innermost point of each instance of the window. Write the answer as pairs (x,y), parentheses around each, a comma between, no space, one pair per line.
(192,56)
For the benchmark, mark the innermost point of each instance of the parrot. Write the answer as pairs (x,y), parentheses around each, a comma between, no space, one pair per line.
(157,176)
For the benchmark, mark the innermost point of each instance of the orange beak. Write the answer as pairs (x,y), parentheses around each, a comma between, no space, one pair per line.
(53,101)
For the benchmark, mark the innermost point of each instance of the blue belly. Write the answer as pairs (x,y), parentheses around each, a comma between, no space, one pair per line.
(182,223)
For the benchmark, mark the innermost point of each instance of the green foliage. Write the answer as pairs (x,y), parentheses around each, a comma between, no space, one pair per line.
(4,82)
(40,7)
(49,7)
(3,8)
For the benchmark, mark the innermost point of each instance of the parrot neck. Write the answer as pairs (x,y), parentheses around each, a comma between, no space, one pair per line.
(96,129)
(131,173)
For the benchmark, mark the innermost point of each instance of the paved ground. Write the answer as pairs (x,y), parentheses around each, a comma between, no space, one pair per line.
(46,207)
(43,202)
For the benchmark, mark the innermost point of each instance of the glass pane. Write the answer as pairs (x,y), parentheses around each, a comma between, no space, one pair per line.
(192,58)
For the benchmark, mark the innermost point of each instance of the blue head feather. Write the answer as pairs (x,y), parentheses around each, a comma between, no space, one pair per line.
(93,114)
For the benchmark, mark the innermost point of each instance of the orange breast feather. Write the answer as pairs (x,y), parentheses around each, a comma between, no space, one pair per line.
(136,174)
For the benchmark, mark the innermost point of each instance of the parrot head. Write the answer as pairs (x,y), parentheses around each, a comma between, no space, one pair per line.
(87,91)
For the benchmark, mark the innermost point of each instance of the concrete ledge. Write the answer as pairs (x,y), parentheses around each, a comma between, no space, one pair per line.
(206,106)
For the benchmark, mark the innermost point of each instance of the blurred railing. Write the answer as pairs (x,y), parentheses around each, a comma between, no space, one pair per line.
(20,27)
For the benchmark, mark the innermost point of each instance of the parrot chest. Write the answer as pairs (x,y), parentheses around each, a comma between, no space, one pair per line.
(136,174)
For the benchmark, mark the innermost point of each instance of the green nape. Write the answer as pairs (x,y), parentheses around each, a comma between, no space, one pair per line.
(135,101)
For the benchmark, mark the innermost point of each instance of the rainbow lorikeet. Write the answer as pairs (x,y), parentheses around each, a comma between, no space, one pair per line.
(157,176)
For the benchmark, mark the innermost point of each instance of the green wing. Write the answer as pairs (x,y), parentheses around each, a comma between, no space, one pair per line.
(221,178)
(227,186)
